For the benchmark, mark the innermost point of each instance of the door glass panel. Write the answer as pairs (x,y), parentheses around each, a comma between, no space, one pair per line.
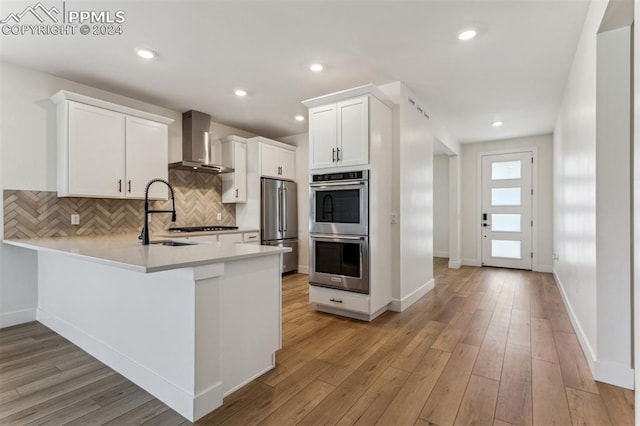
(338,206)
(506,170)
(505,196)
(338,258)
(504,248)
(505,222)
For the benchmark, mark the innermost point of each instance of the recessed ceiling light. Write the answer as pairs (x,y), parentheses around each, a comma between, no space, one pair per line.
(299,117)
(240,92)
(316,67)
(146,53)
(497,123)
(467,35)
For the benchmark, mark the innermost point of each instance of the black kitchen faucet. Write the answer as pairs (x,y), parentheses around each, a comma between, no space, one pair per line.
(144,235)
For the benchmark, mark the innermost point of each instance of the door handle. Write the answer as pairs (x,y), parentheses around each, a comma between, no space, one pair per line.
(119,185)
(335,300)
(333,155)
(236,192)
(486,224)
(284,210)
(484,216)
(337,154)
(129,186)
(279,209)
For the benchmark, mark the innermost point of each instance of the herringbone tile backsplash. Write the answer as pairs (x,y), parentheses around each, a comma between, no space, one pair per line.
(33,214)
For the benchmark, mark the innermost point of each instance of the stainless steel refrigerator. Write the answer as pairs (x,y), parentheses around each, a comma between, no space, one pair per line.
(279,219)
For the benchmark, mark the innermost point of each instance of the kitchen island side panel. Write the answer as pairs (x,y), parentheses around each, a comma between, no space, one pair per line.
(141,325)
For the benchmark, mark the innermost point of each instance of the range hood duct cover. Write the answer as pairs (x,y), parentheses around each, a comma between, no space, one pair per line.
(196,145)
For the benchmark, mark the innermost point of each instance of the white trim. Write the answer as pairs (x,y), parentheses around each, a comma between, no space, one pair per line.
(64,95)
(250,379)
(399,305)
(589,353)
(455,264)
(367,89)
(182,401)
(303,269)
(471,262)
(22,316)
(614,374)
(351,314)
(534,199)
(543,268)
(441,253)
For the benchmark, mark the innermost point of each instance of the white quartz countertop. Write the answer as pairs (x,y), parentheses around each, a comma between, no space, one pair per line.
(126,251)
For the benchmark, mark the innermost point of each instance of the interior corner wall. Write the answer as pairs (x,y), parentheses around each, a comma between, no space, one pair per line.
(441,206)
(301,142)
(544,187)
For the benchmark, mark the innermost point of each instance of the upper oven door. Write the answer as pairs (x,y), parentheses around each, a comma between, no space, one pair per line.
(339,208)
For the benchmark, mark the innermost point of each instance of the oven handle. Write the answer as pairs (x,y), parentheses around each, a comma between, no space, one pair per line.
(338,237)
(328,184)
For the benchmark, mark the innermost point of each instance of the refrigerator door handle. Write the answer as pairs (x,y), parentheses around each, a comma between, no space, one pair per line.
(284,210)
(279,215)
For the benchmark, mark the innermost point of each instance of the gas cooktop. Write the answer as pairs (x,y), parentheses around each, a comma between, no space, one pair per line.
(203,228)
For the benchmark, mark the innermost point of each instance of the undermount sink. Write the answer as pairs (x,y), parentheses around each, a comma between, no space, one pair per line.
(173,243)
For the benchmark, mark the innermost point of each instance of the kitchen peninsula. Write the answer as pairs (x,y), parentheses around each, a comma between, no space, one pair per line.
(189,323)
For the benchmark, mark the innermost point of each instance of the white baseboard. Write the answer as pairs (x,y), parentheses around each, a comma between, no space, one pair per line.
(303,269)
(8,319)
(399,305)
(455,264)
(439,253)
(590,354)
(614,374)
(471,262)
(543,268)
(188,405)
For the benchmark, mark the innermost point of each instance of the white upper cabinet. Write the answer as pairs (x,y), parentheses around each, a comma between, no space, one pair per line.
(95,152)
(107,150)
(323,136)
(339,134)
(277,162)
(146,157)
(234,154)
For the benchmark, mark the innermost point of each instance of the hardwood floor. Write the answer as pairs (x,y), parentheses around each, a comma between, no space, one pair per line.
(485,347)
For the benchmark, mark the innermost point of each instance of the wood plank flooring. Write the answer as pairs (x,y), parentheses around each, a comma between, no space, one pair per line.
(485,347)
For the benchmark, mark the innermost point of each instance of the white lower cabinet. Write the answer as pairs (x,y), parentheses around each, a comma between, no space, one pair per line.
(230,238)
(249,237)
(338,299)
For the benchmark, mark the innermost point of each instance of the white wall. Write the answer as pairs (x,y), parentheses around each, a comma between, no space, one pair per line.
(471,254)
(412,178)
(301,142)
(636,203)
(441,206)
(28,162)
(613,202)
(601,317)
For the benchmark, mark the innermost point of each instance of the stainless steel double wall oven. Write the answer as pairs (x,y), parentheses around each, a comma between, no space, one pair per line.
(339,231)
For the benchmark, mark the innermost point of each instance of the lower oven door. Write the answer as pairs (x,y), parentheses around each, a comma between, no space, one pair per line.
(339,261)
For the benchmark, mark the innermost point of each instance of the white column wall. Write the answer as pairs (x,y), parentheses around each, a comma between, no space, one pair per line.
(613,206)
(441,206)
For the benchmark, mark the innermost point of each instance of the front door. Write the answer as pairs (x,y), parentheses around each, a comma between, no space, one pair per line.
(506,210)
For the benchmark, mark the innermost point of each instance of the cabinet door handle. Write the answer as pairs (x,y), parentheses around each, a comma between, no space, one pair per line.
(337,154)
(129,186)
(236,192)
(119,185)
(333,155)
(335,300)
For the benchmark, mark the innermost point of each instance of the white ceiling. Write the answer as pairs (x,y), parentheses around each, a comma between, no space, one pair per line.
(514,70)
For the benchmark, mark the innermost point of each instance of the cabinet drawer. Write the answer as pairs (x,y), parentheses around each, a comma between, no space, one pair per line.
(230,238)
(250,237)
(339,299)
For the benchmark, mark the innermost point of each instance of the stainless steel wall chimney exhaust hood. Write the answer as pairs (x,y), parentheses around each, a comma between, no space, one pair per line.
(196,145)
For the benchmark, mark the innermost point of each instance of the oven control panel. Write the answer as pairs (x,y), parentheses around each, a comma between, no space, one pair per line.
(360,174)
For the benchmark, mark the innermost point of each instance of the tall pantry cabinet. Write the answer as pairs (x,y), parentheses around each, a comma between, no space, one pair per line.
(349,131)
